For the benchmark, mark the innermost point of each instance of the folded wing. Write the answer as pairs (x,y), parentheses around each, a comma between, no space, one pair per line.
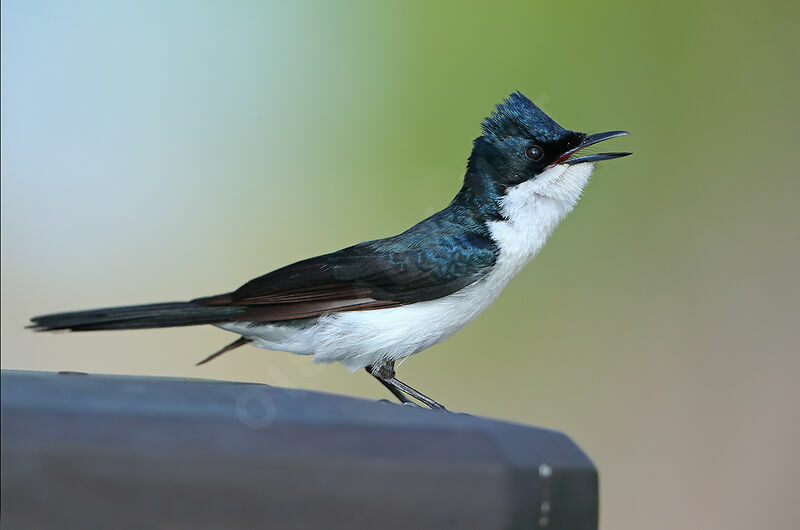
(370,275)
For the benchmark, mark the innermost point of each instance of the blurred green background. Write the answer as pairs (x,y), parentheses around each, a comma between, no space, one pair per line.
(161,151)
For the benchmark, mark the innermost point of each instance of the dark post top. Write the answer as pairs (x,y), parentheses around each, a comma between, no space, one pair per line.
(101,451)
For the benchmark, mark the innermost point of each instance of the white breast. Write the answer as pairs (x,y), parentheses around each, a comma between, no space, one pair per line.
(531,212)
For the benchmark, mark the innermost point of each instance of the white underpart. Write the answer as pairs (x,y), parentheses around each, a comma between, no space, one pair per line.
(531,212)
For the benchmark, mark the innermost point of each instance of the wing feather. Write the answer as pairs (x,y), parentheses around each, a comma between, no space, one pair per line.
(369,275)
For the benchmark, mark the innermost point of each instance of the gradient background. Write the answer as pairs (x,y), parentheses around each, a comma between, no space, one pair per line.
(161,151)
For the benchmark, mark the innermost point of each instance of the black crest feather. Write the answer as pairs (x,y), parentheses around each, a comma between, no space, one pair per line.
(518,116)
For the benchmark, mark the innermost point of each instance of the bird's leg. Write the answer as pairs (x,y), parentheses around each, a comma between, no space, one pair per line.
(399,395)
(384,372)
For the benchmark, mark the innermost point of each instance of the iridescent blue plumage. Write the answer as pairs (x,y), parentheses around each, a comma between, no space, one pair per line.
(443,253)
(518,116)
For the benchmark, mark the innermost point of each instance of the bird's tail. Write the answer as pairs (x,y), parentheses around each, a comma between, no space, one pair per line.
(164,315)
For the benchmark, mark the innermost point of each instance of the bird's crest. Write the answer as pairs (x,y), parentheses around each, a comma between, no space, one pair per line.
(518,116)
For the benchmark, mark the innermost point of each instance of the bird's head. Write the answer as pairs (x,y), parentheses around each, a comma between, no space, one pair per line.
(521,145)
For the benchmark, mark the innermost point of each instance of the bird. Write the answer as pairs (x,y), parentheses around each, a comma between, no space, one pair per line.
(375,303)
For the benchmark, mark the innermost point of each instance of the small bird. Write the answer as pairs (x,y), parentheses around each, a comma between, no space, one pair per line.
(378,302)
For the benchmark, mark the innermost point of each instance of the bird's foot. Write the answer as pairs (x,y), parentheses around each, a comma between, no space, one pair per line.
(384,372)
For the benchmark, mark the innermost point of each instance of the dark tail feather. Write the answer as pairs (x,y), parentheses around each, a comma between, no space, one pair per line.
(241,341)
(137,317)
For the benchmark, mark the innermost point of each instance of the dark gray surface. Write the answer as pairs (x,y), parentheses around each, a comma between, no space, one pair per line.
(98,451)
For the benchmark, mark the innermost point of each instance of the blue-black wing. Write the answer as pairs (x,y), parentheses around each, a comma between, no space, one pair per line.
(374,274)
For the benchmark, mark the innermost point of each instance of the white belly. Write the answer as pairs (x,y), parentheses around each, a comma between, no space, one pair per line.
(361,338)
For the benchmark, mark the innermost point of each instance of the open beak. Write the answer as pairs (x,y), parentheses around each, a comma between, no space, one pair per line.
(591,140)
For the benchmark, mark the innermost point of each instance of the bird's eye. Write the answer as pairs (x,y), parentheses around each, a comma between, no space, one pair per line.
(534,152)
